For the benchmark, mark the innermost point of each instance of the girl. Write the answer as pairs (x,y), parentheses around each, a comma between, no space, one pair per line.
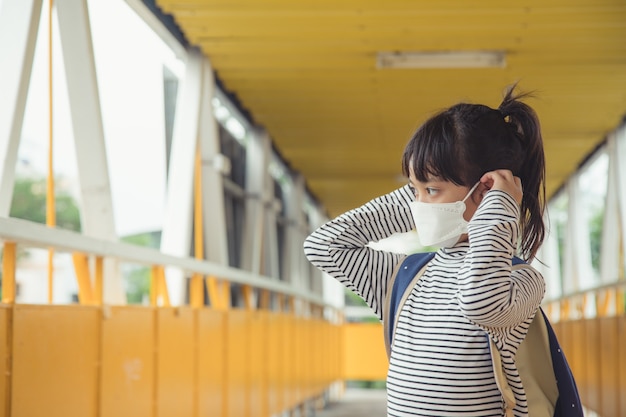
(466,168)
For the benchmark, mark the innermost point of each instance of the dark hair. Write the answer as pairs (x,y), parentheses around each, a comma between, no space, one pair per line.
(463,142)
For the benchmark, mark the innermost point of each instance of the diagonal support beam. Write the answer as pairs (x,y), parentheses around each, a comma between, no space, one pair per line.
(96,203)
(176,237)
(216,245)
(19,22)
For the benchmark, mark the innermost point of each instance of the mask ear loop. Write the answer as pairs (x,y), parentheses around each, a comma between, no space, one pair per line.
(471,191)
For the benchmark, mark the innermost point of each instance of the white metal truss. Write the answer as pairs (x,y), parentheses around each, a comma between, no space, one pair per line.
(293,199)
(295,266)
(194,126)
(157,27)
(260,246)
(620,140)
(214,166)
(97,218)
(271,208)
(19,24)
(614,224)
(177,225)
(609,259)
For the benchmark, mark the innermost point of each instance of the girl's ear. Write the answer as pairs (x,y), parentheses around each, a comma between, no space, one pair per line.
(481,191)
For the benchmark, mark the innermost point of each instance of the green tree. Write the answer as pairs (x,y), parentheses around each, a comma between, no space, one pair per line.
(352,299)
(137,284)
(595,237)
(29,203)
(137,278)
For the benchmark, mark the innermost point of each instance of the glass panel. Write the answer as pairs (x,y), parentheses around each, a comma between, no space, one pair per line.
(234,204)
(136,71)
(558,215)
(593,183)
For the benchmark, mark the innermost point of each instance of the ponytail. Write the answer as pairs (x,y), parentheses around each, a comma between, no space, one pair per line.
(524,123)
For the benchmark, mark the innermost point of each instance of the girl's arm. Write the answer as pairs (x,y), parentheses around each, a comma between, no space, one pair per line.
(340,249)
(493,293)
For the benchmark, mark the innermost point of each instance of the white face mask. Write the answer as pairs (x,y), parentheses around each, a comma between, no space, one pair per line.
(440,224)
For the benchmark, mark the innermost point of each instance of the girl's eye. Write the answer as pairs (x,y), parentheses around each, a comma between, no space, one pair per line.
(431,191)
(413,191)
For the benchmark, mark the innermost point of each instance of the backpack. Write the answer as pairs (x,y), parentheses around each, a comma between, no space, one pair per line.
(551,390)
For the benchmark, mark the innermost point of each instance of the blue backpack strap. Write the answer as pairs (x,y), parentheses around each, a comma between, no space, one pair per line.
(411,265)
(568,404)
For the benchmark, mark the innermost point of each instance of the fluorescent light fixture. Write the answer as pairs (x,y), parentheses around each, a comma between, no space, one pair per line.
(441,59)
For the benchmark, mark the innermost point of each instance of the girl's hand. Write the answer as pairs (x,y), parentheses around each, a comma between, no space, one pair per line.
(503,180)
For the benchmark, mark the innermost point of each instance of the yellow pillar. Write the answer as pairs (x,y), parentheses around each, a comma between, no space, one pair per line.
(81,266)
(8,273)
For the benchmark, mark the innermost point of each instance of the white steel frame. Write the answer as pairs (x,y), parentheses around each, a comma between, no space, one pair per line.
(36,235)
(19,24)
(97,218)
(177,225)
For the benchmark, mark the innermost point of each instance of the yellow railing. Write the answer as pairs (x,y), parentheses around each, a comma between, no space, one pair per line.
(90,359)
(595,351)
(99,360)
(591,326)
(145,361)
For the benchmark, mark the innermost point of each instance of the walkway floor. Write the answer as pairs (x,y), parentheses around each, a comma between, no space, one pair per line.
(369,403)
(357,403)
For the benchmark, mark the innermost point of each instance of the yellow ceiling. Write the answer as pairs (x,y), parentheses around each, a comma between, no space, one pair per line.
(306,71)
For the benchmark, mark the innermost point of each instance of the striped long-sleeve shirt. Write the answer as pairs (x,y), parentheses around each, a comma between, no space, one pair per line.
(440,363)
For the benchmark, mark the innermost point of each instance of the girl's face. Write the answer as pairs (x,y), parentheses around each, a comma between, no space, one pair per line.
(436,190)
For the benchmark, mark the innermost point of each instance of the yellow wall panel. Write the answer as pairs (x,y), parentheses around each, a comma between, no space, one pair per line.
(55,361)
(577,346)
(364,355)
(309,362)
(176,357)
(621,364)
(337,335)
(128,359)
(238,324)
(294,361)
(592,363)
(5,376)
(289,363)
(318,352)
(609,357)
(303,358)
(275,363)
(258,364)
(212,351)
(296,357)
(327,351)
